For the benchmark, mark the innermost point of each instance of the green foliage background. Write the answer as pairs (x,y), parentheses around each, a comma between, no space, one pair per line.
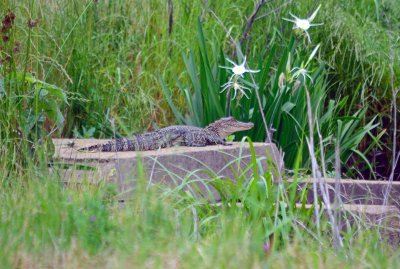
(108,56)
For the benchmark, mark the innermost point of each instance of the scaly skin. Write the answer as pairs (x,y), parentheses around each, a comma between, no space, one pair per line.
(178,135)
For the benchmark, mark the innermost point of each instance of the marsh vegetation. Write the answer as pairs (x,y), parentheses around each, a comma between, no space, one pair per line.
(103,69)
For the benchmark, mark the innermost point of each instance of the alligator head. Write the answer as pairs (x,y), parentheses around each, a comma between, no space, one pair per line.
(227,126)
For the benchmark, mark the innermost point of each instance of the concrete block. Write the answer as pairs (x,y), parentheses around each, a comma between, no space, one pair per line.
(197,167)
(356,191)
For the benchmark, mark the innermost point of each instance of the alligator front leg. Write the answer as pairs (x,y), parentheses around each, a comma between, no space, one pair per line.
(216,140)
(196,144)
(206,142)
(221,141)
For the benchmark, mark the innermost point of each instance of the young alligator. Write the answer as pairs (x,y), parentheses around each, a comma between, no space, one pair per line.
(176,135)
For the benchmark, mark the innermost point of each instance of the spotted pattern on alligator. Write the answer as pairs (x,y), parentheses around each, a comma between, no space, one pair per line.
(177,135)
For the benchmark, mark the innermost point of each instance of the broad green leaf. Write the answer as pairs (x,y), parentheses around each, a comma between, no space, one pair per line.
(287,107)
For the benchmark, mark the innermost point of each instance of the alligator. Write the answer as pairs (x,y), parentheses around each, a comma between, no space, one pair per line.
(178,135)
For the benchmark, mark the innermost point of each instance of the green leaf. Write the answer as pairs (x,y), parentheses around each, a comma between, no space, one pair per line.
(287,107)
(52,110)
(50,88)
(362,156)
(171,104)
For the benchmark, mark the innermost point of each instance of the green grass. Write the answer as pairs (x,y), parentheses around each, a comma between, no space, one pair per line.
(108,56)
(45,224)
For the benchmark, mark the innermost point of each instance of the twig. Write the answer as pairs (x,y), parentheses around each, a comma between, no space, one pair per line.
(338,199)
(268,133)
(170,23)
(250,21)
(321,146)
(228,102)
(272,11)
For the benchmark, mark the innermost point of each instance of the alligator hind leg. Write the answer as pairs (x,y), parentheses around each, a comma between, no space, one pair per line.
(201,142)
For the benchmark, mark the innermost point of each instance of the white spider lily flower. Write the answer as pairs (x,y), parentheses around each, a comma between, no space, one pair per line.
(304,24)
(237,87)
(239,70)
(302,71)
